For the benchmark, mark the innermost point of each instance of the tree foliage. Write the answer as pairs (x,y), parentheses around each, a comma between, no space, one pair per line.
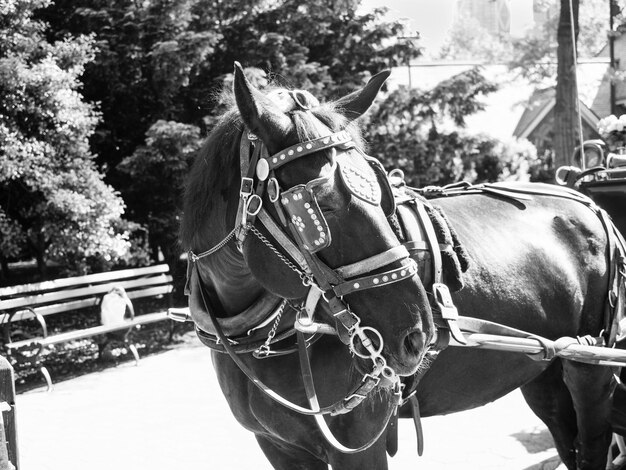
(52,196)
(158,169)
(421,133)
(159,64)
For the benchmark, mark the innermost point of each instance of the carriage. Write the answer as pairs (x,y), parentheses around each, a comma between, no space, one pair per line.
(332,294)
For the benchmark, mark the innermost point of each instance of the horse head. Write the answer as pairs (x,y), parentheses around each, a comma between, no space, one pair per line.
(310,176)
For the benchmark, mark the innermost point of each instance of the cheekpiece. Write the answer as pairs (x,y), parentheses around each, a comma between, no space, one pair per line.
(361,183)
(308,221)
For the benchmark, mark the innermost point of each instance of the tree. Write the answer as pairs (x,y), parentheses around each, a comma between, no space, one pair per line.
(421,133)
(158,169)
(53,201)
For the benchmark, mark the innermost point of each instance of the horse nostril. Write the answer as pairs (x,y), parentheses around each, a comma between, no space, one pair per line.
(414,343)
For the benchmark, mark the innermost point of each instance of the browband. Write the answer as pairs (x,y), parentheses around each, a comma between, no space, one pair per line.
(305,148)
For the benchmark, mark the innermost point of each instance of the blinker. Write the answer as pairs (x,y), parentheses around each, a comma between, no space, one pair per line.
(308,221)
(361,183)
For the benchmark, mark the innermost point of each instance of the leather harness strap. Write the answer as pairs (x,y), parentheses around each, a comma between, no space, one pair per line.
(348,404)
(396,253)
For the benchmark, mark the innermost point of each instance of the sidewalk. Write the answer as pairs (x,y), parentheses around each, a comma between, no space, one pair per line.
(168,413)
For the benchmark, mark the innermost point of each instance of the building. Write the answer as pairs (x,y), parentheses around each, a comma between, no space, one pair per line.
(537,121)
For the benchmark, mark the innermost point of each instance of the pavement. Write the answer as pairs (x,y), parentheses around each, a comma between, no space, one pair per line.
(169,413)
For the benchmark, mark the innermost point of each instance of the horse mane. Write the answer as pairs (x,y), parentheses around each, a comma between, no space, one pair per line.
(215,175)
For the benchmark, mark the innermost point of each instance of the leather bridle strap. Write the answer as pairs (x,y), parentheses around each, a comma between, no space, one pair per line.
(283,240)
(376,280)
(368,265)
(305,148)
(367,385)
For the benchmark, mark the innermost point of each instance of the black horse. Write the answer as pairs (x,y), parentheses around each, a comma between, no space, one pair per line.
(540,265)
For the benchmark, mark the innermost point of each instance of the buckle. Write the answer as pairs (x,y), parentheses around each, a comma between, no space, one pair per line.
(245,190)
(444,301)
(448,311)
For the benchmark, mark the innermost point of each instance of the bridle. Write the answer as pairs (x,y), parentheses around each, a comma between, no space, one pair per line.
(299,230)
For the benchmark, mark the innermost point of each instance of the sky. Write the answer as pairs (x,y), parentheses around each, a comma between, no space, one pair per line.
(431,18)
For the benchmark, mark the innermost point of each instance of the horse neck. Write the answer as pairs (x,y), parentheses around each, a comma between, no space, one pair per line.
(231,279)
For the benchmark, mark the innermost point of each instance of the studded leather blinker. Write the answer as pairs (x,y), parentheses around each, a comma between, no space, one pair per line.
(361,183)
(307,218)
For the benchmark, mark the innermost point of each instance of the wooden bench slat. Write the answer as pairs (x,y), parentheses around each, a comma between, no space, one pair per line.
(89,332)
(90,302)
(81,280)
(34,300)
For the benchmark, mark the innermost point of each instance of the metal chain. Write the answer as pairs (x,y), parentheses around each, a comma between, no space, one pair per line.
(219,246)
(282,257)
(264,349)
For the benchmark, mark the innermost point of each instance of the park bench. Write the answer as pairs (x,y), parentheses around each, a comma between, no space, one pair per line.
(33,303)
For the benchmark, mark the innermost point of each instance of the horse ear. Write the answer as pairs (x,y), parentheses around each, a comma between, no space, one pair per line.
(260,114)
(356,103)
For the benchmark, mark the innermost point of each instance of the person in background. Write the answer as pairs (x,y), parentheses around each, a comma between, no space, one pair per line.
(115,308)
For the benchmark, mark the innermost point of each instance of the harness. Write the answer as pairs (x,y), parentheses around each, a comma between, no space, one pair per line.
(298,230)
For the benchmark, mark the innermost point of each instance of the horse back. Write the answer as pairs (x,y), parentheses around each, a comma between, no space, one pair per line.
(538,264)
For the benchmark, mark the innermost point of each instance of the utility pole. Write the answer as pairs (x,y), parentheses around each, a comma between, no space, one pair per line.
(408,61)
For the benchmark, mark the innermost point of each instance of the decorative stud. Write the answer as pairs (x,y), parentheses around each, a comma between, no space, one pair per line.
(385,278)
(262,169)
(290,153)
(299,149)
(403,272)
(282,157)
(375,281)
(356,285)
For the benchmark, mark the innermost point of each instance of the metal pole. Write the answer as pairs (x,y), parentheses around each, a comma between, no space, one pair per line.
(408,62)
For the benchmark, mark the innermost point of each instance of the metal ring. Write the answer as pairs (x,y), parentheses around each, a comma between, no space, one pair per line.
(249,202)
(303,318)
(358,331)
(396,172)
(273,190)
(300,99)
(388,372)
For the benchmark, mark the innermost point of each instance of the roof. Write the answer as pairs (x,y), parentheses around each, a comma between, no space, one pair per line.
(540,103)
